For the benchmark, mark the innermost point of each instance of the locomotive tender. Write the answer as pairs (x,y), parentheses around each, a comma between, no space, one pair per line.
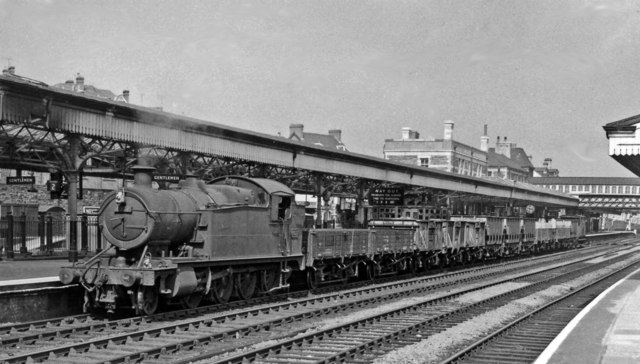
(239,236)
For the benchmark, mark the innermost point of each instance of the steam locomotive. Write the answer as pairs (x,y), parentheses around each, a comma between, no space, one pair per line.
(241,237)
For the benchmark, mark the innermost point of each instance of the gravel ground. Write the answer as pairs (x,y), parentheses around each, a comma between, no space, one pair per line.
(436,347)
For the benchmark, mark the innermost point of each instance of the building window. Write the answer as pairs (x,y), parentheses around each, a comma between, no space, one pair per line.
(626,190)
(424,162)
(574,188)
(606,189)
(634,190)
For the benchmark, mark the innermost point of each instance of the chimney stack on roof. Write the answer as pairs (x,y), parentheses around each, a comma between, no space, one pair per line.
(336,133)
(125,96)
(448,130)
(484,140)
(406,131)
(297,130)
(12,70)
(504,147)
(408,134)
(79,83)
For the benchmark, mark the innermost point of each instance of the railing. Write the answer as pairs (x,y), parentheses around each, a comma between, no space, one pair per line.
(47,235)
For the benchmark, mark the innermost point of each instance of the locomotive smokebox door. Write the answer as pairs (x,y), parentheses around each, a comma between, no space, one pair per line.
(126,220)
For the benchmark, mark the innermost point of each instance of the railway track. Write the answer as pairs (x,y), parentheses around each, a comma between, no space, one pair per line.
(139,339)
(362,341)
(523,339)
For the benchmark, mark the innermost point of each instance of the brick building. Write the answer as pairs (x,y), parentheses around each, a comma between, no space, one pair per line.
(332,140)
(508,161)
(444,154)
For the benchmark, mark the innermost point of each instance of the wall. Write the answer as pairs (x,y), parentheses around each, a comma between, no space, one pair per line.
(20,195)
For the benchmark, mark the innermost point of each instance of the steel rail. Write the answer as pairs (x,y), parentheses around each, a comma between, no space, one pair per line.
(506,330)
(350,350)
(185,326)
(101,325)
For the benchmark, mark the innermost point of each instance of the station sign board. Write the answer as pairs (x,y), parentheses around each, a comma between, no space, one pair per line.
(172,178)
(386,197)
(28,180)
(91,210)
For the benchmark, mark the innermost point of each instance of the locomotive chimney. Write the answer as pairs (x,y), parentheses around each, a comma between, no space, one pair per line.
(143,175)
(190,180)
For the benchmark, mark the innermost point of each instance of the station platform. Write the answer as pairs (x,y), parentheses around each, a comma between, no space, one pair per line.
(29,273)
(607,331)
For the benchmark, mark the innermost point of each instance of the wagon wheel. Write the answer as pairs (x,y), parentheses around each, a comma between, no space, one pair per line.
(221,289)
(403,265)
(425,263)
(147,299)
(365,272)
(270,279)
(245,285)
(344,277)
(432,261)
(443,260)
(191,301)
(312,278)
(411,266)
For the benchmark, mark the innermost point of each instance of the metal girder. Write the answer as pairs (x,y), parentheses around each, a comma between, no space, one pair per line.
(610,203)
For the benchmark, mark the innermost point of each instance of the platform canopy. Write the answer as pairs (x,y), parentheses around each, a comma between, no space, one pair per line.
(624,142)
(36,120)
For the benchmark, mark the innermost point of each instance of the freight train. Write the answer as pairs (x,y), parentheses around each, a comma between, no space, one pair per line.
(240,237)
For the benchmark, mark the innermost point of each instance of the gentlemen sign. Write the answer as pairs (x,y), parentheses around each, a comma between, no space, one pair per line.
(29,180)
(386,196)
(173,178)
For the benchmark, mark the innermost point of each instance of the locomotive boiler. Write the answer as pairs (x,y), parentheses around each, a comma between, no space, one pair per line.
(234,236)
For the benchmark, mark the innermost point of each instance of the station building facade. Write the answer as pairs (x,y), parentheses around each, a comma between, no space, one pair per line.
(444,154)
(506,160)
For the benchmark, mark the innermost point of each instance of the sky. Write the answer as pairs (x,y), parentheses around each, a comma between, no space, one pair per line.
(546,74)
